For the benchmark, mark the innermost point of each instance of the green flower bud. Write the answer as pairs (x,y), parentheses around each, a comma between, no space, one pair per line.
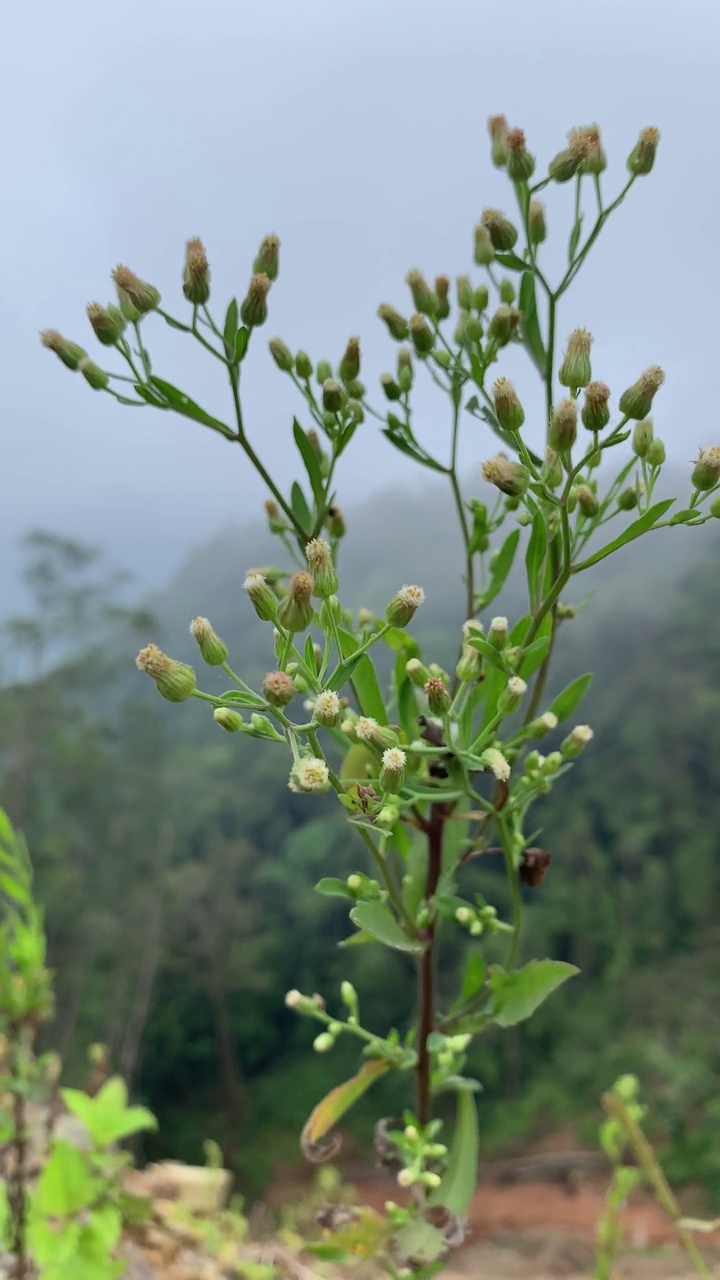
(421,335)
(480,298)
(261,727)
(397,325)
(262,597)
(576,741)
(510,413)
(571,501)
(442,299)
(387,818)
(349,366)
(643,436)
(498,633)
(498,130)
(135,296)
(636,402)
(565,164)
(295,610)
(512,695)
(323,372)
(321,567)
(230,721)
(503,324)
(422,295)
(356,389)
(404,369)
(552,471)
(404,605)
(507,291)
(503,235)
(267,260)
(323,1042)
(550,765)
(595,412)
(196,273)
(543,725)
(278,689)
(443,359)
(469,666)
(706,472)
(254,311)
(333,397)
(392,773)
(281,354)
(464,290)
(484,252)
(174,680)
(381,736)
(417,672)
(108,323)
(537,227)
(588,139)
(575,369)
(212,648)
(628,499)
(96,377)
(303,366)
(656,453)
(509,477)
(642,157)
(563,426)
(714,507)
(335,523)
(327,709)
(437,696)
(520,164)
(69,352)
(587,501)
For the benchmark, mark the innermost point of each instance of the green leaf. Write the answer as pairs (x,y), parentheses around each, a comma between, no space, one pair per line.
(363,677)
(300,508)
(66,1185)
(575,237)
(571,696)
(511,261)
(327,1252)
(419,1241)
(107,1116)
(535,556)
(310,460)
(534,654)
(327,1113)
(242,338)
(634,530)
(182,404)
(518,994)
(530,324)
(460,1178)
(501,568)
(404,446)
(474,976)
(176,324)
(406,700)
(682,517)
(488,651)
(333,887)
(377,919)
(230,329)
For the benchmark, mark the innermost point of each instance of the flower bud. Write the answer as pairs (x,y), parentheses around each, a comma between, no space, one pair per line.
(267,260)
(333,396)
(576,741)
(397,325)
(552,471)
(376,735)
(543,725)
(714,507)
(483,253)
(321,567)
(706,472)
(512,695)
(278,689)
(262,597)
(175,680)
(498,130)
(212,648)
(406,1178)
(473,626)
(437,696)
(565,164)
(323,1042)
(595,160)
(417,673)
(575,369)
(494,760)
(595,412)
(69,352)
(108,323)
(135,296)
(503,235)
(421,335)
(348,995)
(498,633)
(537,228)
(642,157)
(442,299)
(303,365)
(506,289)
(480,298)
(503,324)
(550,764)
(464,291)
(510,413)
(423,297)
(643,436)
(295,610)
(392,774)
(469,666)
(509,477)
(281,354)
(636,402)
(656,453)
(254,311)
(261,727)
(563,426)
(230,721)
(335,522)
(349,367)
(587,501)
(196,273)
(309,774)
(520,164)
(96,377)
(628,499)
(571,501)
(403,606)
(390,387)
(327,709)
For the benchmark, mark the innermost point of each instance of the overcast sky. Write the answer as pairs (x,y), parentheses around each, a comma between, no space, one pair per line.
(357,132)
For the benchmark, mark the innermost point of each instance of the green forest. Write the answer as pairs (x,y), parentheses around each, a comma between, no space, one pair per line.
(175,865)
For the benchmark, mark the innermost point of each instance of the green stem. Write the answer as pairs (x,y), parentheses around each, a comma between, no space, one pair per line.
(252,456)
(514,882)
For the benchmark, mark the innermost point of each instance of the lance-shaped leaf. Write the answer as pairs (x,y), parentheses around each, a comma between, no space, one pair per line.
(460,1178)
(518,994)
(377,919)
(314,1141)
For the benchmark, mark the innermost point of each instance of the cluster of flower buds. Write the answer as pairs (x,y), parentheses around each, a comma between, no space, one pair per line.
(479,920)
(417,1149)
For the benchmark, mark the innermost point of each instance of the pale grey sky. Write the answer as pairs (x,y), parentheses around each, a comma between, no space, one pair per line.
(357,132)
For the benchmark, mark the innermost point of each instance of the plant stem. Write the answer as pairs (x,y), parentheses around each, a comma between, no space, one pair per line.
(426,967)
(250,453)
(19,1174)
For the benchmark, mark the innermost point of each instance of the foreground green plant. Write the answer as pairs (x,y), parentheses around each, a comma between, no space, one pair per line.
(442,767)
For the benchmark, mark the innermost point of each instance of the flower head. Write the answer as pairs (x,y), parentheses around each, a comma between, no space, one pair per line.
(309,774)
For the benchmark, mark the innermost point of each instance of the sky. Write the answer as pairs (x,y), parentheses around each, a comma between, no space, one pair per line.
(357,133)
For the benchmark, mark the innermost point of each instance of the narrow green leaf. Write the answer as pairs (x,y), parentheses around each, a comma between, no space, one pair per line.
(309,653)
(300,508)
(535,557)
(530,324)
(364,680)
(230,329)
(242,338)
(511,261)
(488,651)
(634,530)
(377,919)
(501,569)
(334,1105)
(460,1178)
(474,976)
(181,403)
(518,994)
(176,324)
(683,517)
(406,700)
(571,697)
(534,654)
(404,446)
(332,887)
(310,460)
